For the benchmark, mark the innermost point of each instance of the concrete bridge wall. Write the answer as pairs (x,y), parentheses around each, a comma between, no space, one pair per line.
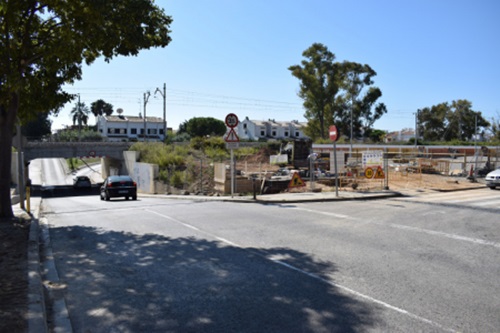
(33,150)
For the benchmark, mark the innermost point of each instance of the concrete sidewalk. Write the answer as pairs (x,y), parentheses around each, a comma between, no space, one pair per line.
(284,197)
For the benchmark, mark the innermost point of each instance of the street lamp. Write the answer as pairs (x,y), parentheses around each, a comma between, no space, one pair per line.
(164,95)
(146,97)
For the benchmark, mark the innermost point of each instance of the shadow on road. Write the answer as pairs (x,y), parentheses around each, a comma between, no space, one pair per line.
(153,283)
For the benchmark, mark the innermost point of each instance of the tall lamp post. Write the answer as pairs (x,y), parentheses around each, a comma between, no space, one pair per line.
(146,97)
(164,95)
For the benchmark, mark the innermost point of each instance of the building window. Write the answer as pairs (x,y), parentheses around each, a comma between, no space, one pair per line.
(262,133)
(244,126)
(133,131)
(297,134)
(274,133)
(161,131)
(286,133)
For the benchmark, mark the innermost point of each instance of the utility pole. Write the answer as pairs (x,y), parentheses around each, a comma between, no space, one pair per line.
(416,129)
(164,95)
(79,115)
(146,98)
(475,147)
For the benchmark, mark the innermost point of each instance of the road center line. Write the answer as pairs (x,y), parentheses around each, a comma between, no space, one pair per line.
(311,275)
(409,228)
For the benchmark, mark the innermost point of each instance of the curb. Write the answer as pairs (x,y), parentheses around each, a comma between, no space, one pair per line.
(37,315)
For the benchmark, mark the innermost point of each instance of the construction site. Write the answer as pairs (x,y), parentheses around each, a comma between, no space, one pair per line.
(364,168)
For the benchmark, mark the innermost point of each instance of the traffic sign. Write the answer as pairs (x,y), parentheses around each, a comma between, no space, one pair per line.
(232,145)
(379,174)
(232,120)
(232,136)
(334,134)
(296,181)
(369,173)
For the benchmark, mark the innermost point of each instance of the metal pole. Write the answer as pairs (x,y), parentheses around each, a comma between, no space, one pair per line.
(352,109)
(146,97)
(79,115)
(475,147)
(232,173)
(164,111)
(201,175)
(20,167)
(336,170)
(416,129)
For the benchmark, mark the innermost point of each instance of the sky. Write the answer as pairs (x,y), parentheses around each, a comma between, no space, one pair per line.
(232,56)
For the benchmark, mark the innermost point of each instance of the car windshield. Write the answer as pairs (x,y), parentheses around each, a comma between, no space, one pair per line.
(120,179)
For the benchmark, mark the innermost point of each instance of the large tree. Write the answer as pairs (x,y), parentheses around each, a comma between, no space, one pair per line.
(446,122)
(203,126)
(37,128)
(358,98)
(80,114)
(336,93)
(100,107)
(320,82)
(43,45)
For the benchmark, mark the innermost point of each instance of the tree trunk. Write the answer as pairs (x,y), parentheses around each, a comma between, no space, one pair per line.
(7,120)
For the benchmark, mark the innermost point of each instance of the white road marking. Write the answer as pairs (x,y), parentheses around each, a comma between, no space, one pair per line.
(405,227)
(314,276)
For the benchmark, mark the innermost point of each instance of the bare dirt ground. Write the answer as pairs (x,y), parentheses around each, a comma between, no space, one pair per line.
(14,274)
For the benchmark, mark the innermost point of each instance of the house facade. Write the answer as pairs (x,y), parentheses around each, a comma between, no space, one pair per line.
(263,130)
(131,128)
(400,136)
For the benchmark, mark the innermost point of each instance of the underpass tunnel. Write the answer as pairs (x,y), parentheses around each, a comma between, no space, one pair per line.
(111,166)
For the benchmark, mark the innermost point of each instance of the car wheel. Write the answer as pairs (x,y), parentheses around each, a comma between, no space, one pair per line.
(126,198)
(134,197)
(100,197)
(492,187)
(107,196)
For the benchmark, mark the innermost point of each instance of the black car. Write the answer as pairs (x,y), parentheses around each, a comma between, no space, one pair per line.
(81,182)
(119,186)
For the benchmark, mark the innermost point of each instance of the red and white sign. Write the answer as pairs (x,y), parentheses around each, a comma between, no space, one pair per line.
(231,120)
(334,134)
(232,136)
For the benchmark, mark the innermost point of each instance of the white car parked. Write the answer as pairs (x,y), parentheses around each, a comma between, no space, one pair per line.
(493,179)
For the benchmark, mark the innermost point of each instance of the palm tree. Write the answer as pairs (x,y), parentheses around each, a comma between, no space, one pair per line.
(80,114)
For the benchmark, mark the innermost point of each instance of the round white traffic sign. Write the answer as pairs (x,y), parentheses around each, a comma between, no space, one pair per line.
(231,120)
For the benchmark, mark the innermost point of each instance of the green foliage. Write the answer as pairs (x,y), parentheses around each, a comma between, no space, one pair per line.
(38,127)
(181,137)
(100,107)
(74,135)
(447,122)
(161,154)
(203,127)
(246,151)
(44,46)
(80,113)
(335,93)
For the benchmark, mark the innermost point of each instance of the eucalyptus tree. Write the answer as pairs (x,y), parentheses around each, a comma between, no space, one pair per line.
(319,79)
(43,46)
(336,93)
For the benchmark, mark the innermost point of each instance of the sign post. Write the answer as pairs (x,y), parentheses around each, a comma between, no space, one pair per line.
(334,135)
(232,141)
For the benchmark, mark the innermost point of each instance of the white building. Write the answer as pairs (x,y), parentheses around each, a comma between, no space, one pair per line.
(130,128)
(270,129)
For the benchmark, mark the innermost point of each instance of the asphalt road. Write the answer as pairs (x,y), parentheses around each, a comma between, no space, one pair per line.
(160,265)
